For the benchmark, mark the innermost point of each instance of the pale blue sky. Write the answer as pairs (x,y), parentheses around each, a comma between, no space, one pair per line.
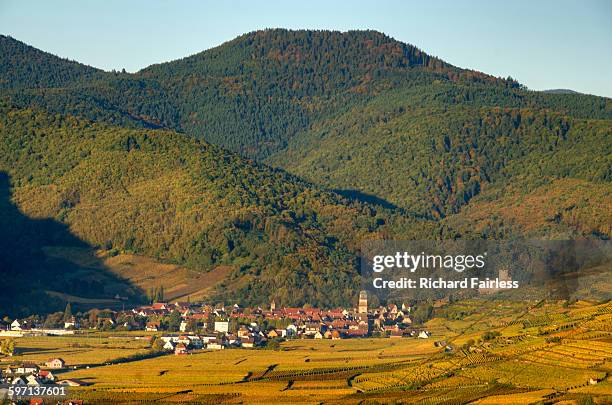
(543,44)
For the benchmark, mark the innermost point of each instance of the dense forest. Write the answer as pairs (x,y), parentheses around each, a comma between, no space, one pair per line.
(180,200)
(276,154)
(432,157)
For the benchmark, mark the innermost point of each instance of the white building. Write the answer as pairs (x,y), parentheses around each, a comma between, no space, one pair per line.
(27,368)
(169,346)
(33,380)
(222,326)
(183,326)
(292,330)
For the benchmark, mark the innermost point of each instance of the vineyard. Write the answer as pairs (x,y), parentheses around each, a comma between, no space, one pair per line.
(551,352)
(76,349)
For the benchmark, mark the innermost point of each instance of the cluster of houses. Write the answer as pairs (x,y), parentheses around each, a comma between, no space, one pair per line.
(250,327)
(184,344)
(31,374)
(22,327)
(298,322)
(218,327)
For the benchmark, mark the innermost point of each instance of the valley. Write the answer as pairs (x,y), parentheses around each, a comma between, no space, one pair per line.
(255,169)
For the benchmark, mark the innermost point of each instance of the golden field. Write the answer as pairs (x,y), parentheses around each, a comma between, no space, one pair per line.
(545,353)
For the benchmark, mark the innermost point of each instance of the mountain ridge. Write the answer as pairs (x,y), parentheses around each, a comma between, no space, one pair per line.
(228,158)
(180,200)
(17,55)
(222,85)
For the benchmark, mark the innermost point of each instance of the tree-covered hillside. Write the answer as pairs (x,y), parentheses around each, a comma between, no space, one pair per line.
(22,66)
(250,95)
(33,78)
(255,92)
(431,148)
(370,137)
(163,195)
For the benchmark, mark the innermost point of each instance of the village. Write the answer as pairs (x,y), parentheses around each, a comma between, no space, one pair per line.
(31,374)
(182,328)
(243,348)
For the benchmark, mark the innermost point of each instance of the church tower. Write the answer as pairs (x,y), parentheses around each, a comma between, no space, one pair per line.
(363,302)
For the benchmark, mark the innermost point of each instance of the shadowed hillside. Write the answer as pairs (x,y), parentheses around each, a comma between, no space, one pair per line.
(27,271)
(149,164)
(177,200)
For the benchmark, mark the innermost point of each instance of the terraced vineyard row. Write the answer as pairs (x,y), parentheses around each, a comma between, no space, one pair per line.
(479,358)
(464,395)
(406,377)
(511,351)
(603,348)
(322,373)
(557,357)
(452,381)
(529,374)
(545,320)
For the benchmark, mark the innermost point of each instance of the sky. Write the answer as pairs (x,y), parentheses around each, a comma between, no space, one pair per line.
(543,44)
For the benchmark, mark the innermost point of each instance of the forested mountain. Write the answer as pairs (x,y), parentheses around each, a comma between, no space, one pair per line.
(432,148)
(371,138)
(161,194)
(256,92)
(250,95)
(32,78)
(22,67)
